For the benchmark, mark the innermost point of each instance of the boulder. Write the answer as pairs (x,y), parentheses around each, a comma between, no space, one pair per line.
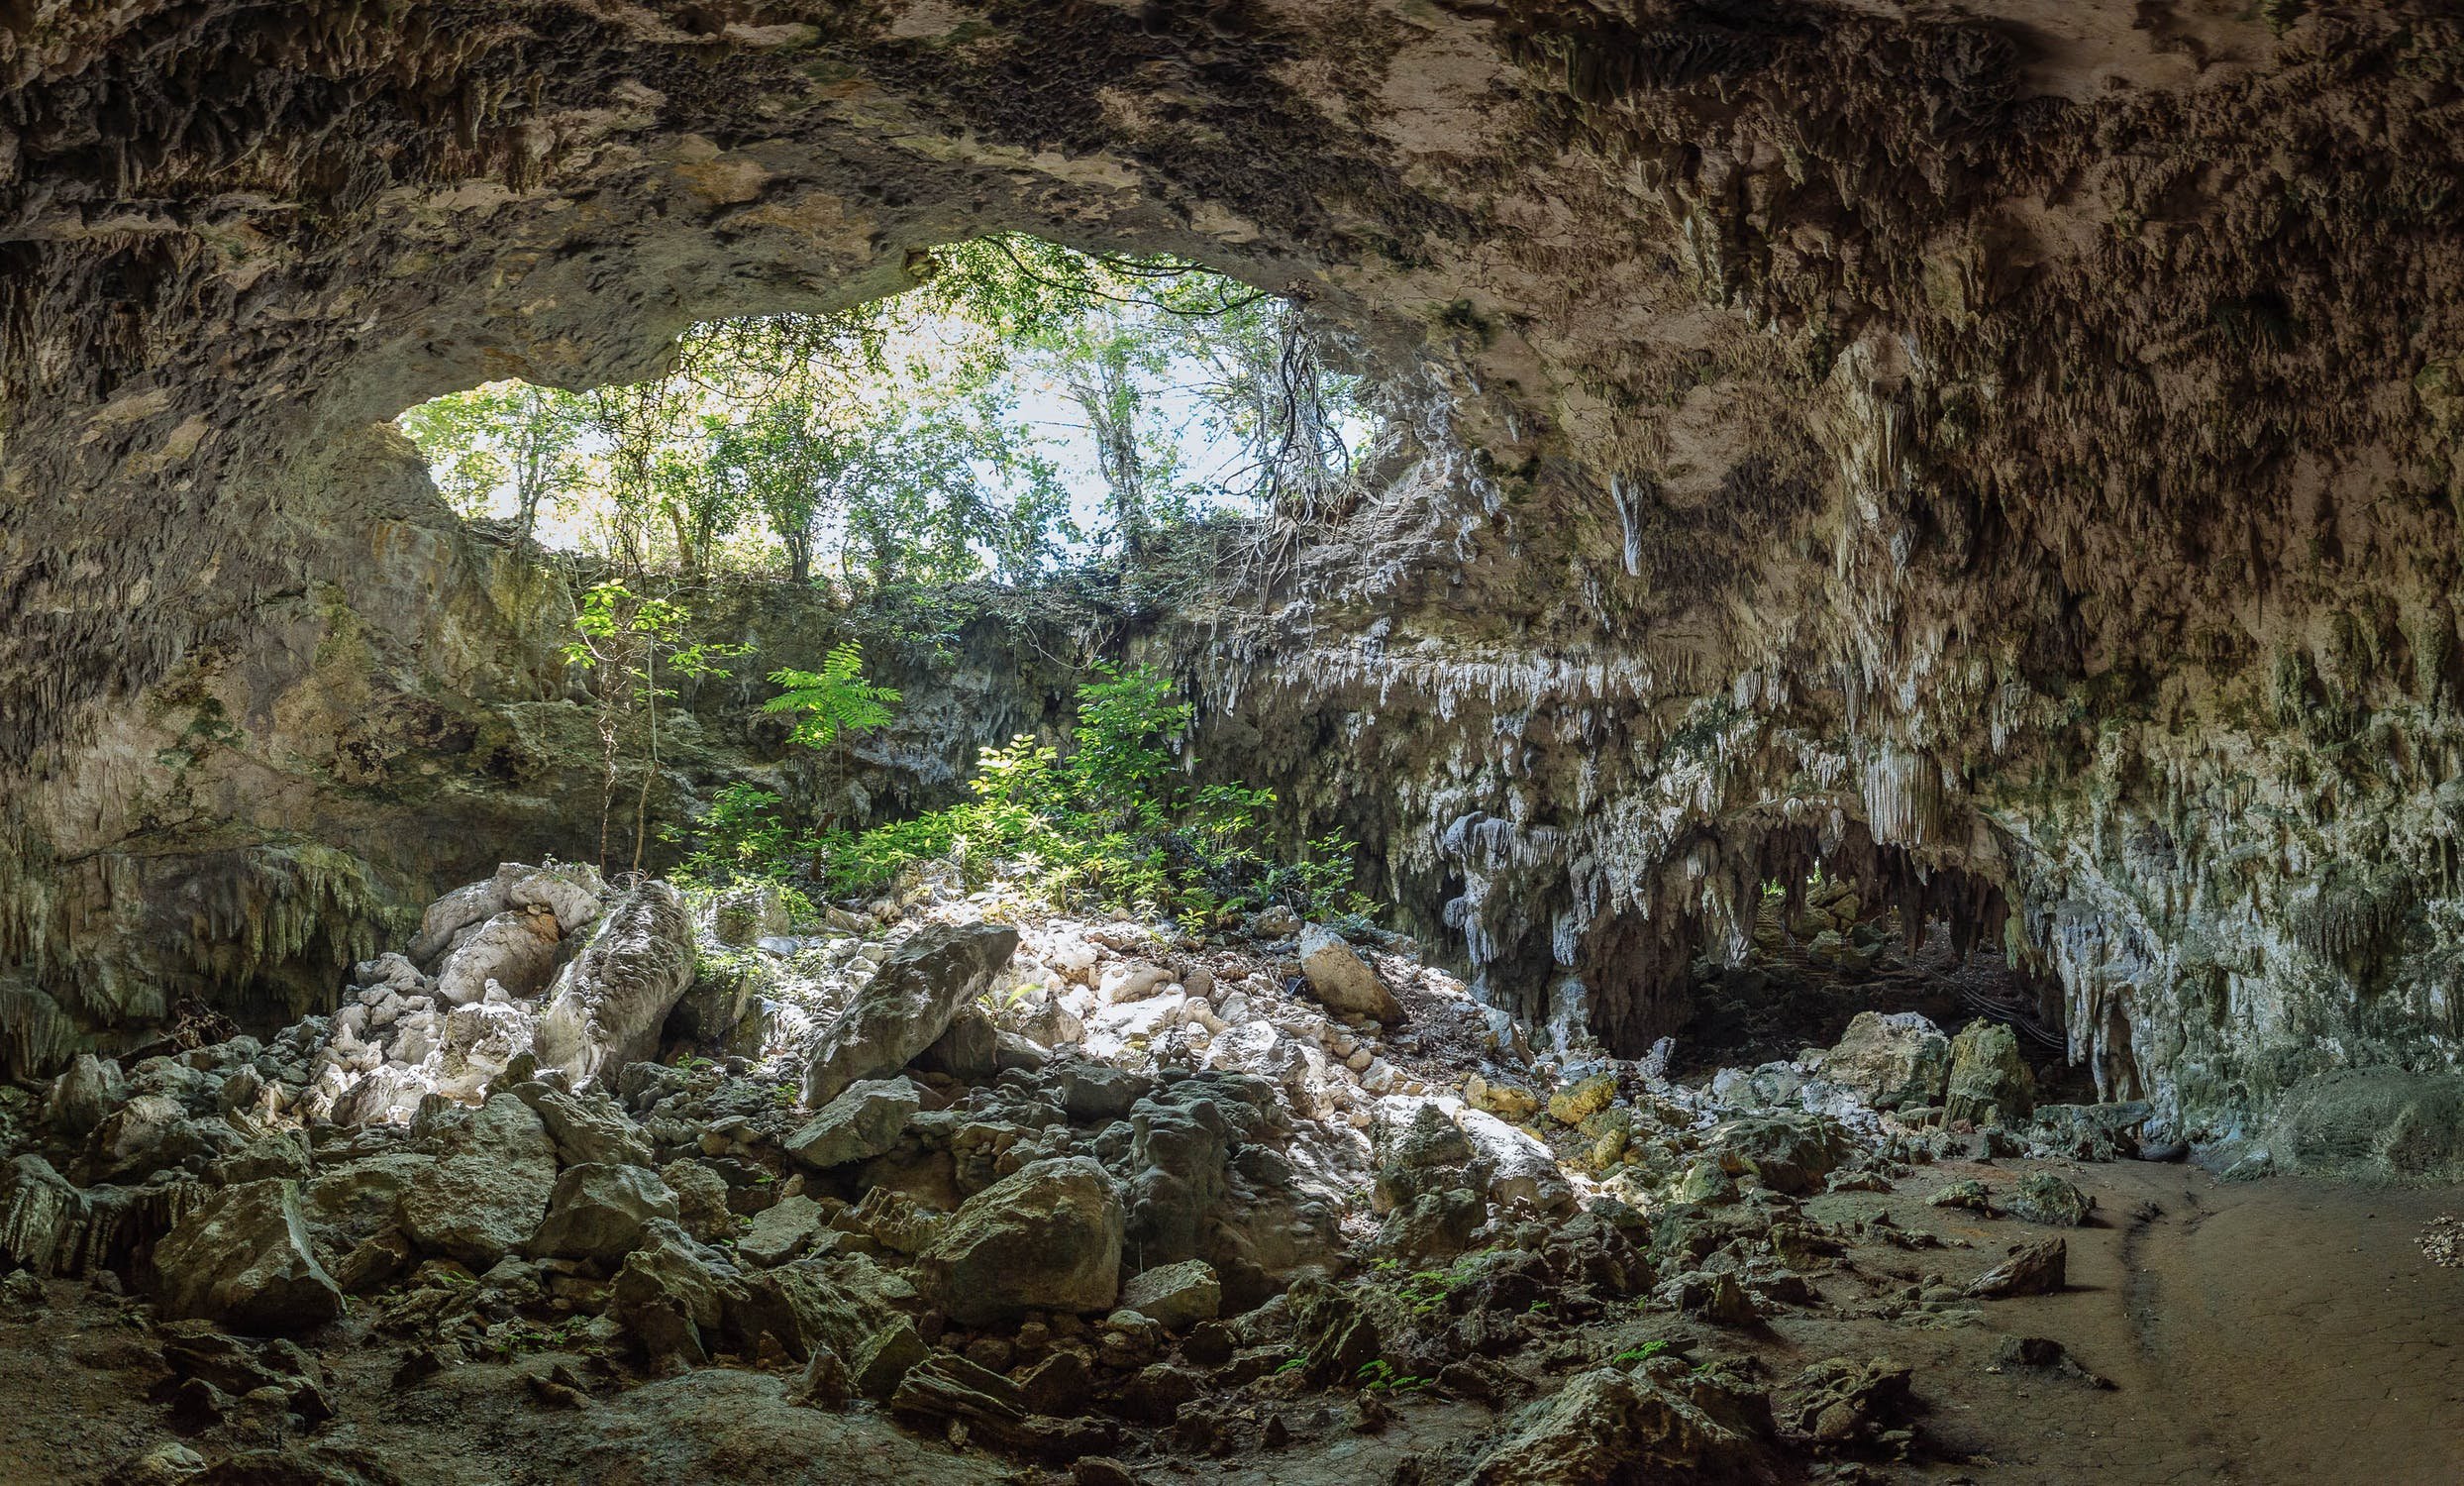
(670,1298)
(43,1216)
(1842,1401)
(1422,1154)
(242,1260)
(1579,1101)
(968,1049)
(2045,1198)
(1341,980)
(606,1007)
(1989,1083)
(906,1006)
(490,1188)
(782,1232)
(864,1121)
(599,1212)
(2038,1268)
(456,911)
(1791,1153)
(1046,1238)
(1175,1296)
(517,949)
(574,891)
(1892,1061)
(1519,1168)
(81,1097)
(584,1129)
(1608,1426)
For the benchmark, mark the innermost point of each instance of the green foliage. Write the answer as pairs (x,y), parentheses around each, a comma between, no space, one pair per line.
(833,700)
(1113,820)
(1381,1376)
(1643,1353)
(913,438)
(626,638)
(739,837)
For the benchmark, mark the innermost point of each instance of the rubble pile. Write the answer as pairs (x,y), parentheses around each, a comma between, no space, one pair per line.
(1052,1191)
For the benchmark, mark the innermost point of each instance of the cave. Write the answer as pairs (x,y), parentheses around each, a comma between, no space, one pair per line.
(1993,465)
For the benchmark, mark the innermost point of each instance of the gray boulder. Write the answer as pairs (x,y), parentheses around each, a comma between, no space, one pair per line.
(1899,1060)
(242,1260)
(1341,980)
(475,902)
(606,1007)
(599,1212)
(1989,1083)
(1175,1296)
(585,1128)
(490,1188)
(864,1121)
(1046,1238)
(517,949)
(906,1006)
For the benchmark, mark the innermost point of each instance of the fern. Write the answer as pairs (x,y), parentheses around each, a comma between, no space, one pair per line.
(833,700)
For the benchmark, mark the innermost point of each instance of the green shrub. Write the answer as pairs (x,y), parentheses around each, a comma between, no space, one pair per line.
(1113,820)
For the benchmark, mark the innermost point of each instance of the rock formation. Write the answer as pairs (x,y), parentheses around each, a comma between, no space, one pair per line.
(2012,457)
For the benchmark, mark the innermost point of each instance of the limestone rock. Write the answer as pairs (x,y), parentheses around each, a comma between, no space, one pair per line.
(81,1097)
(1790,1154)
(606,1007)
(1894,1060)
(2038,1268)
(516,949)
(967,1049)
(1046,1238)
(1842,1401)
(599,1212)
(1602,1429)
(701,1200)
(1519,1168)
(2042,1197)
(1579,1101)
(861,1122)
(906,1006)
(1342,981)
(454,912)
(781,1231)
(584,1129)
(574,893)
(1175,1296)
(243,1260)
(490,1188)
(1989,1083)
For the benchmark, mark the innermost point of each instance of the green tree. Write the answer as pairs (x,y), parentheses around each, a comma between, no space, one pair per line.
(506,436)
(626,638)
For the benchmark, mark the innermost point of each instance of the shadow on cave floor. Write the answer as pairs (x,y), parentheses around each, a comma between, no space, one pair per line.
(1800,986)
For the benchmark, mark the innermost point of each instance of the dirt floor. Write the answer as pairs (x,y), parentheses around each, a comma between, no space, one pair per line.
(2284,1332)
(2281,1331)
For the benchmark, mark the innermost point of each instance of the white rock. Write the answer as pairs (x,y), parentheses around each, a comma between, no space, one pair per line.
(1131,980)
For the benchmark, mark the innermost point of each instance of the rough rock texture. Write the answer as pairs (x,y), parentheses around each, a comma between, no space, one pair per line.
(1892,1060)
(489,1187)
(2010,452)
(1047,1238)
(243,1260)
(906,1006)
(606,1007)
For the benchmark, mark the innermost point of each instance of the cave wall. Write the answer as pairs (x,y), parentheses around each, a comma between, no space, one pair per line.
(2022,438)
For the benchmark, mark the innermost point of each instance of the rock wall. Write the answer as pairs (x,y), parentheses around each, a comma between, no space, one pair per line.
(2016,451)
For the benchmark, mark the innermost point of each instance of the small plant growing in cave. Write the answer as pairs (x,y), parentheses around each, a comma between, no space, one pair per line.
(627,638)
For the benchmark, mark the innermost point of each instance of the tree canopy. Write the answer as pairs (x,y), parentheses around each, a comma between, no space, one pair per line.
(1027,405)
